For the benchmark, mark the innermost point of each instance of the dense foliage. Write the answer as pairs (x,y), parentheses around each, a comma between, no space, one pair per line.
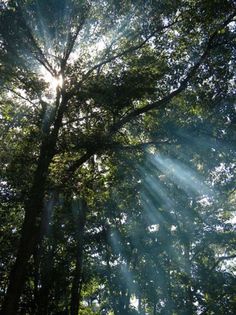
(117,178)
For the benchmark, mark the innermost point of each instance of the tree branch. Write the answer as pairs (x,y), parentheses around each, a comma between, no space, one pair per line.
(138,146)
(20,95)
(183,85)
(130,49)
(39,55)
(222,258)
(72,39)
(77,164)
(115,127)
(122,53)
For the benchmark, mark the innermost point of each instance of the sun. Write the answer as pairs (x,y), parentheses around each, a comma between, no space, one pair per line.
(54,82)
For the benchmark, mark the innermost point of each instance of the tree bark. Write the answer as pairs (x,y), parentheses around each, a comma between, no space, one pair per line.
(46,282)
(155,309)
(31,229)
(43,263)
(77,279)
(140,305)
(189,293)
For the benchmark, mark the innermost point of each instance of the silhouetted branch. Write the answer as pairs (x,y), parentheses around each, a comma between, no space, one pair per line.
(183,85)
(20,95)
(130,49)
(72,39)
(120,54)
(222,258)
(39,55)
(138,146)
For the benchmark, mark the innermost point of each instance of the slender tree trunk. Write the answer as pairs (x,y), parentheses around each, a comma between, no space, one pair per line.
(114,302)
(155,309)
(122,298)
(76,284)
(170,303)
(189,293)
(140,305)
(46,283)
(127,301)
(36,280)
(43,300)
(77,279)
(30,233)
(43,266)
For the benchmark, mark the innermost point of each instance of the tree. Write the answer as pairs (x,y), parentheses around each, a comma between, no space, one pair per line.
(96,56)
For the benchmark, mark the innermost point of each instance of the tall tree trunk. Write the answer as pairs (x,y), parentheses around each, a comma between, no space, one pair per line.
(170,303)
(114,302)
(43,263)
(189,293)
(77,279)
(35,279)
(46,282)
(127,301)
(155,308)
(140,305)
(30,233)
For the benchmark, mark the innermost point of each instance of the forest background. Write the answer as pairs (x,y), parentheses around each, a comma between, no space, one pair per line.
(117,178)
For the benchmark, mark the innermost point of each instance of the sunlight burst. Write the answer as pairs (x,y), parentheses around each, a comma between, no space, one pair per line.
(54,82)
